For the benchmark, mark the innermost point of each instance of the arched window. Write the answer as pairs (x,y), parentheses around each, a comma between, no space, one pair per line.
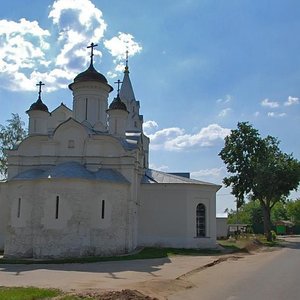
(200,220)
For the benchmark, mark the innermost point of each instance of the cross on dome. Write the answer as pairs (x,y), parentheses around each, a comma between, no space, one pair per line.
(118,82)
(126,63)
(92,46)
(40,88)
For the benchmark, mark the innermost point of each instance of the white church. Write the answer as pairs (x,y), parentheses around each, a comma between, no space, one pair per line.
(80,185)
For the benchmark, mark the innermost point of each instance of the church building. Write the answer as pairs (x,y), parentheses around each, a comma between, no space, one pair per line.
(80,185)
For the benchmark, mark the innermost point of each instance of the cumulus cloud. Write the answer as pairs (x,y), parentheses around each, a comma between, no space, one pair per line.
(276,115)
(176,139)
(79,23)
(118,45)
(267,103)
(26,56)
(149,125)
(22,47)
(291,101)
(224,112)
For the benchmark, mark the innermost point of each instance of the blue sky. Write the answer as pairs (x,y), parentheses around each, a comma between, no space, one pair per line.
(197,67)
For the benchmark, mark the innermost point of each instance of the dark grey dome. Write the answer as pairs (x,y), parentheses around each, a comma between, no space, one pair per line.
(91,74)
(38,105)
(117,104)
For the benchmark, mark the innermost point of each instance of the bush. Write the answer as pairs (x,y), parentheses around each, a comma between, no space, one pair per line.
(274,236)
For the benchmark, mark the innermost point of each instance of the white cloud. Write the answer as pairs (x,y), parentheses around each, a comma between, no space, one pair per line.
(225,100)
(276,115)
(118,45)
(149,125)
(291,101)
(22,48)
(26,56)
(272,104)
(256,114)
(224,112)
(175,139)
(79,23)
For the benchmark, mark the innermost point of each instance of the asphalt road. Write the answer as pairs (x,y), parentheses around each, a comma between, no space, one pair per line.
(266,276)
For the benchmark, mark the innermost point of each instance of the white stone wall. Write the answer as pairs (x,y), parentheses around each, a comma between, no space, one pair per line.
(167,215)
(222,227)
(79,229)
(3,214)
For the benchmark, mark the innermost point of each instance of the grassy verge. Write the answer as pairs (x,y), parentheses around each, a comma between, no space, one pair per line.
(29,293)
(244,244)
(146,253)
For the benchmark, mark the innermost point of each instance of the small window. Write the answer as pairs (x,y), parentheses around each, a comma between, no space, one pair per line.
(56,207)
(71,144)
(135,124)
(19,208)
(200,220)
(102,209)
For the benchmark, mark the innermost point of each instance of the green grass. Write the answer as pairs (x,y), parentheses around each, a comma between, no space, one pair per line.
(146,253)
(28,293)
(242,243)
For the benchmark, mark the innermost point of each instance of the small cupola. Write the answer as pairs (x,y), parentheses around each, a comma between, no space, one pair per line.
(38,115)
(117,115)
(39,105)
(117,104)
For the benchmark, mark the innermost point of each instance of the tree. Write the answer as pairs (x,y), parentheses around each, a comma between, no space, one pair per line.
(293,211)
(249,213)
(279,212)
(10,135)
(259,169)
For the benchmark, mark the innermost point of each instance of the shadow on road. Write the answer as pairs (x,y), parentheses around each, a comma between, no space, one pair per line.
(292,242)
(145,265)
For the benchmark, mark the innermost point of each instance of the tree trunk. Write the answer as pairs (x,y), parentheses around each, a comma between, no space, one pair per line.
(267,222)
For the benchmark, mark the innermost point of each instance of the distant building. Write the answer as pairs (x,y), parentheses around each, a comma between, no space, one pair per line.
(79,184)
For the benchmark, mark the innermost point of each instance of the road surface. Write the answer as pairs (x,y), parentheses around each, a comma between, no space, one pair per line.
(264,276)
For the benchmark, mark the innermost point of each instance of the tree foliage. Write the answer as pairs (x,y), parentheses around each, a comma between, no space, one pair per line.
(293,211)
(259,169)
(10,135)
(249,213)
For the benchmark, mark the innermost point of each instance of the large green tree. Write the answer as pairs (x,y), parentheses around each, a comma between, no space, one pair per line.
(10,135)
(259,169)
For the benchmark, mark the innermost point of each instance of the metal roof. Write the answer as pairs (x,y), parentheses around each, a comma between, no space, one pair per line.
(72,170)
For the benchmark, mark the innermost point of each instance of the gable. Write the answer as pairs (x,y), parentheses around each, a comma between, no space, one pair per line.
(70,138)
(58,116)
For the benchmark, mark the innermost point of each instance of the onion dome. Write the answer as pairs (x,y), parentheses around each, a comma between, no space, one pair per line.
(91,74)
(39,105)
(117,104)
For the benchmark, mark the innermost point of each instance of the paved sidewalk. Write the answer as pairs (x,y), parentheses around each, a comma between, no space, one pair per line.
(101,275)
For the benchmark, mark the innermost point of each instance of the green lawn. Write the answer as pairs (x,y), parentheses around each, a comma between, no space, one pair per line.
(29,293)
